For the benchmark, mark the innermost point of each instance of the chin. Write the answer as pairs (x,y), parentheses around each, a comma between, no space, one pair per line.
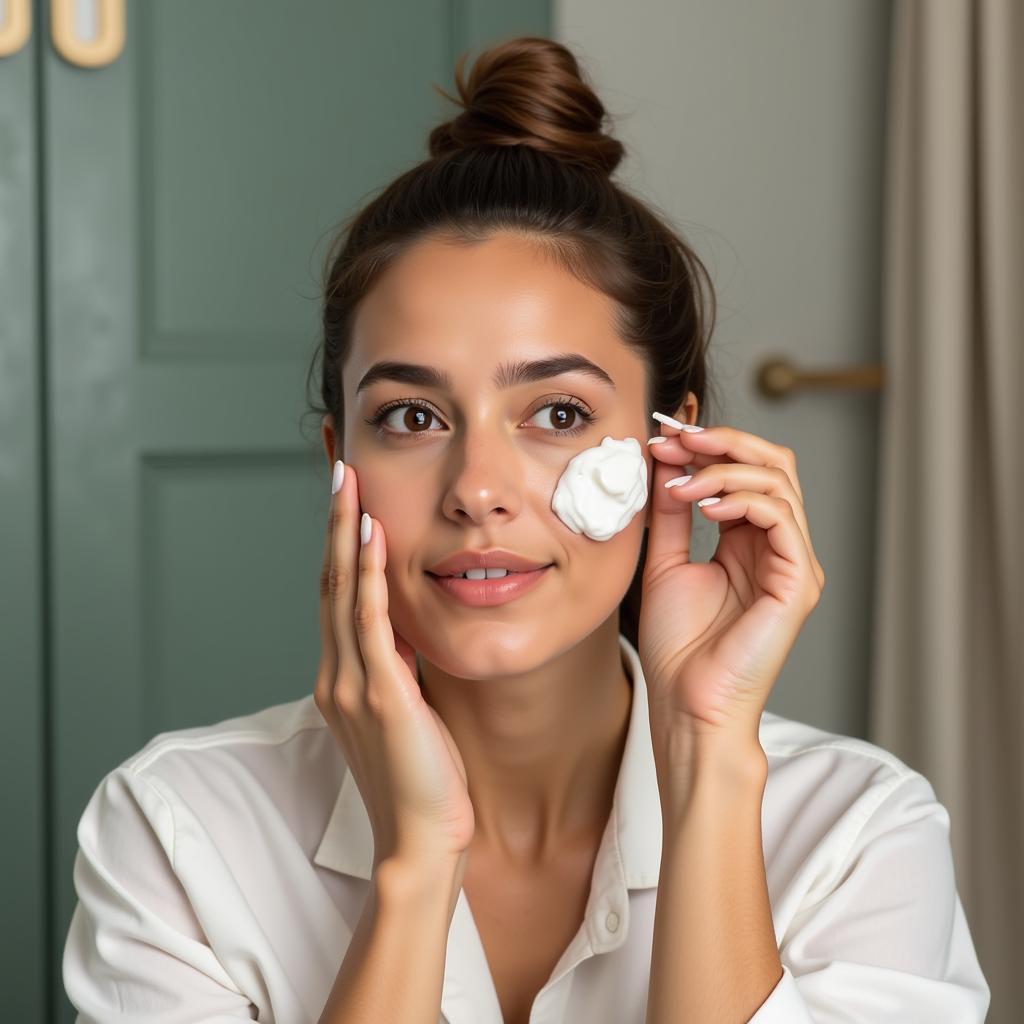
(488,649)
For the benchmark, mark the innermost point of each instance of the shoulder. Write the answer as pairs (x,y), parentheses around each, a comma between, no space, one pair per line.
(804,756)
(271,728)
(178,845)
(826,787)
(277,767)
(862,880)
(828,796)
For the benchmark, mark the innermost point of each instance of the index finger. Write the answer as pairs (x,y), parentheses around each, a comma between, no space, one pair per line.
(341,580)
(736,446)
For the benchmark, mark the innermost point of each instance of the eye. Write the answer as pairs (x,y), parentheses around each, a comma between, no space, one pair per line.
(570,411)
(418,418)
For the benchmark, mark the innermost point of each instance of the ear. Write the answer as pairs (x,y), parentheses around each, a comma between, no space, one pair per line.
(332,445)
(687,412)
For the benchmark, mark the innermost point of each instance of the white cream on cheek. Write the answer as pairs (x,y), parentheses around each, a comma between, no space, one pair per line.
(602,488)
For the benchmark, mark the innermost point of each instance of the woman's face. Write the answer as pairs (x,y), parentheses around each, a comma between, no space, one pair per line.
(474,466)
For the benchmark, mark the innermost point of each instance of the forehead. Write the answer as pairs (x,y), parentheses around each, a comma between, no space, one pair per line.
(462,303)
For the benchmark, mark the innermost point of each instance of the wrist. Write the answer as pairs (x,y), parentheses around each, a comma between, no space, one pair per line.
(424,880)
(697,767)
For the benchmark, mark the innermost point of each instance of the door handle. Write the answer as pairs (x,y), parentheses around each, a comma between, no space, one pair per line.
(778,378)
(16,27)
(88,53)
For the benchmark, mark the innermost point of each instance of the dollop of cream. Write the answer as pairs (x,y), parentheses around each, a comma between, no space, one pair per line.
(602,488)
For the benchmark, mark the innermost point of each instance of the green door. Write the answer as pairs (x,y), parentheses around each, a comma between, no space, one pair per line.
(24,941)
(164,512)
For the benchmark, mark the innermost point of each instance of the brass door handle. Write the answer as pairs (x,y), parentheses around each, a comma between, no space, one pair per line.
(16,27)
(88,53)
(778,378)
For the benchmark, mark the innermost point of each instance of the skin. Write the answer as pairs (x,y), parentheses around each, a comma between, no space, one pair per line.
(479,471)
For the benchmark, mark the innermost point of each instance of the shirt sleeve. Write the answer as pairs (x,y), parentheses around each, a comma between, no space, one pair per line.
(889,943)
(135,952)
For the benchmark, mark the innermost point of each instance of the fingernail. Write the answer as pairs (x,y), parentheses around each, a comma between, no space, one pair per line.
(662,418)
(708,501)
(339,475)
(656,440)
(688,427)
(678,481)
(365,528)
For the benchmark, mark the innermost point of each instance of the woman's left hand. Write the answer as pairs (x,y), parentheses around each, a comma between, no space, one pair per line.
(713,636)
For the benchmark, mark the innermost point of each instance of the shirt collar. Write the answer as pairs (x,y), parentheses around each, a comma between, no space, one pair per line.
(633,835)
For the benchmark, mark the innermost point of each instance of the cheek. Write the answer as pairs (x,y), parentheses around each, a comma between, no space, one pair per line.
(598,575)
(603,489)
(604,492)
(395,503)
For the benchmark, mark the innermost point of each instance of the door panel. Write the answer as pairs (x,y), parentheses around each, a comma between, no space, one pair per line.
(23,908)
(193,185)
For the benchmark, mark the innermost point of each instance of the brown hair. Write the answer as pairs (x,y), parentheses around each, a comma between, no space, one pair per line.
(528,155)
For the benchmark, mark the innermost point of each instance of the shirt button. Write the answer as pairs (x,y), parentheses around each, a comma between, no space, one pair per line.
(612,922)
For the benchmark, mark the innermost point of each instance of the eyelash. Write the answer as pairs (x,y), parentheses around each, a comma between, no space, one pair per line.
(378,417)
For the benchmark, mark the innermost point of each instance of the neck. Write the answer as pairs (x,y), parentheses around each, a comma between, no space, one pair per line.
(543,748)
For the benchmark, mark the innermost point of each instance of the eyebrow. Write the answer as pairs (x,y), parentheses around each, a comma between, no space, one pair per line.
(507,375)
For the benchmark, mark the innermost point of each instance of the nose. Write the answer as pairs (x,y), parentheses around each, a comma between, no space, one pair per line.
(488,482)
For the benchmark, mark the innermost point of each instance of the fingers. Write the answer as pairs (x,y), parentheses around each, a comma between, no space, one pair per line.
(736,445)
(328,643)
(372,624)
(721,477)
(775,516)
(743,452)
(760,495)
(349,680)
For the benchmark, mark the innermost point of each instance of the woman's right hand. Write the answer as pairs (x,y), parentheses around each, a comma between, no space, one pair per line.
(410,774)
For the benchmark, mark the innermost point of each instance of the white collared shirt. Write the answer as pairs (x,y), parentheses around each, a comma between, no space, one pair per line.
(222,870)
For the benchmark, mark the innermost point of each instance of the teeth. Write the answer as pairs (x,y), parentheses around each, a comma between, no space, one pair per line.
(482,574)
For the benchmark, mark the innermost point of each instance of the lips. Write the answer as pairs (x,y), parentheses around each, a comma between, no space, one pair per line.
(495,558)
(462,576)
(488,593)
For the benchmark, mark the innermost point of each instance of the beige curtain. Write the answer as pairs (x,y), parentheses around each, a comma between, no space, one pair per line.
(949,658)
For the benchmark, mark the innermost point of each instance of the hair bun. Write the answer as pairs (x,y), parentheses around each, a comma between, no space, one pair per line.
(529,91)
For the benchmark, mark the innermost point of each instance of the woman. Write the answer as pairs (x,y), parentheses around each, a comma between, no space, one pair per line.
(532,798)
